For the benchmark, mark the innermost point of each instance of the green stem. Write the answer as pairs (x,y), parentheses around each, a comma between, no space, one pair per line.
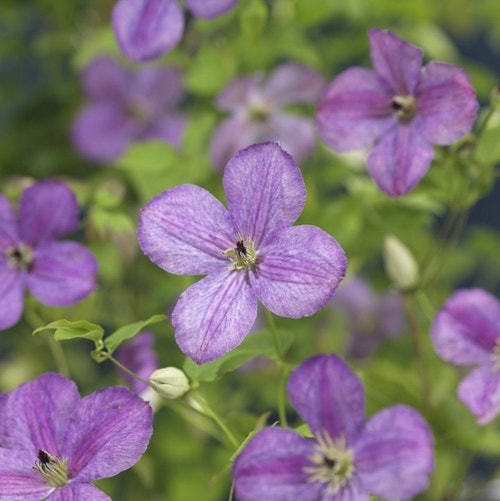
(231,492)
(126,370)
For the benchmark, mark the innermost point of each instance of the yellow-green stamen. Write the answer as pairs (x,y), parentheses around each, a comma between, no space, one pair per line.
(52,468)
(243,255)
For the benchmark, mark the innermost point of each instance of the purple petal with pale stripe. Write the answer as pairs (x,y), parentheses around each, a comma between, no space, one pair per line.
(299,269)
(147,29)
(271,467)
(185,230)
(210,8)
(264,190)
(104,79)
(394,454)
(78,492)
(467,327)
(328,396)
(214,315)
(11,295)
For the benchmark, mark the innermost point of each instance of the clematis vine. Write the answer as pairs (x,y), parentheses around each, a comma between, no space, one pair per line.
(400,110)
(54,443)
(466,331)
(348,458)
(257,113)
(124,107)
(147,29)
(249,251)
(56,273)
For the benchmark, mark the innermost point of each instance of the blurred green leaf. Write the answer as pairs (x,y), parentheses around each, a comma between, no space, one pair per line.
(65,329)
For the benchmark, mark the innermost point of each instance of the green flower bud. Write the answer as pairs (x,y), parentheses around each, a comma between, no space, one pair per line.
(170,382)
(400,265)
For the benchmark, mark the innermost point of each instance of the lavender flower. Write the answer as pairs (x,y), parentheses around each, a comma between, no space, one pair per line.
(256,112)
(56,273)
(390,455)
(400,108)
(249,251)
(54,444)
(147,29)
(125,107)
(466,331)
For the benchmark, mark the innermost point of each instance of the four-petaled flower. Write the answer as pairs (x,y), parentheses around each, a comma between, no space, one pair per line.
(250,251)
(390,455)
(257,114)
(56,273)
(147,29)
(466,331)
(125,107)
(401,108)
(54,443)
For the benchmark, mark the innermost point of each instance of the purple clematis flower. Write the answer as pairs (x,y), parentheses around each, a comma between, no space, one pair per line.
(54,443)
(400,108)
(125,107)
(466,331)
(147,29)
(256,112)
(390,455)
(56,273)
(249,251)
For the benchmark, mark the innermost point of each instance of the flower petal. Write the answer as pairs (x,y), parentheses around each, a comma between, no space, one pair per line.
(170,128)
(147,29)
(264,190)
(214,315)
(298,270)
(8,225)
(108,432)
(47,210)
(78,492)
(467,327)
(394,454)
(355,111)
(446,103)
(400,159)
(62,273)
(480,392)
(238,93)
(185,230)
(11,295)
(328,396)
(396,61)
(104,79)
(35,415)
(162,87)
(271,466)
(210,8)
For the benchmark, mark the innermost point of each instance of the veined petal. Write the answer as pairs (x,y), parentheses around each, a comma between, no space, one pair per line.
(162,86)
(147,29)
(62,273)
(271,467)
(78,492)
(108,432)
(104,79)
(214,315)
(480,392)
(298,270)
(210,8)
(467,327)
(446,103)
(355,111)
(35,415)
(11,295)
(47,210)
(396,61)
(394,454)
(18,480)
(328,396)
(238,93)
(264,190)
(185,230)
(400,159)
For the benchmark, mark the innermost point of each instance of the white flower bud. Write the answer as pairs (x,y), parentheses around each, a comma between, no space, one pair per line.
(170,382)
(400,265)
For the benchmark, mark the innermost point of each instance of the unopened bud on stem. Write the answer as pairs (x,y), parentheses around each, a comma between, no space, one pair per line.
(170,382)
(400,265)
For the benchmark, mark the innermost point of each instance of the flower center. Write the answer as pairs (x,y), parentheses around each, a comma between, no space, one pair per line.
(20,258)
(404,107)
(243,255)
(52,468)
(258,111)
(333,463)
(139,110)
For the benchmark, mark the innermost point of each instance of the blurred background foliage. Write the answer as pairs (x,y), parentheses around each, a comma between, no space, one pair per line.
(44,46)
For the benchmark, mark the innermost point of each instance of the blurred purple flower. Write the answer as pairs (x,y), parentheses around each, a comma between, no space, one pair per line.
(466,331)
(400,108)
(56,273)
(147,29)
(125,107)
(54,444)
(138,356)
(390,455)
(249,251)
(256,113)
(371,318)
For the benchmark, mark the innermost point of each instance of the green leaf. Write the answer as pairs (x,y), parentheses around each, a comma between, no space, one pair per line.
(129,331)
(253,19)
(65,329)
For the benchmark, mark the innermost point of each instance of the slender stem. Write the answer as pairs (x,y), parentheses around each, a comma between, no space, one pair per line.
(231,492)
(126,370)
